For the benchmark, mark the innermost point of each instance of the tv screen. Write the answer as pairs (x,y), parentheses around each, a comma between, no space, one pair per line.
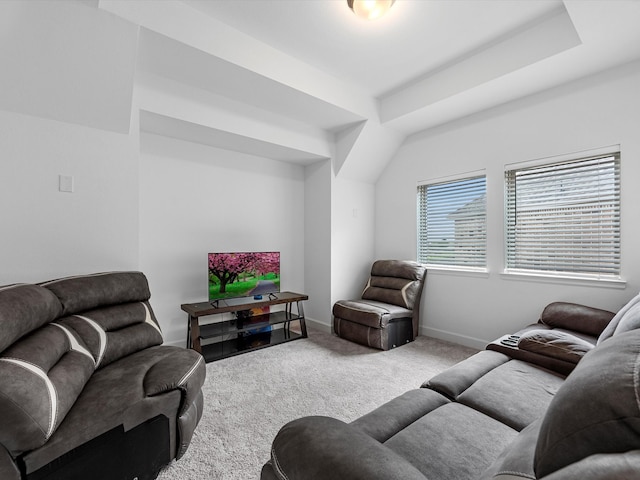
(243,274)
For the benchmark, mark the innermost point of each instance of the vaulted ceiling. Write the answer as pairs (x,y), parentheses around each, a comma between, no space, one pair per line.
(299,80)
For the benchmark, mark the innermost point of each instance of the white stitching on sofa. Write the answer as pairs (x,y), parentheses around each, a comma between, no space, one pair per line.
(403,292)
(102,335)
(7,287)
(149,320)
(73,341)
(190,372)
(53,394)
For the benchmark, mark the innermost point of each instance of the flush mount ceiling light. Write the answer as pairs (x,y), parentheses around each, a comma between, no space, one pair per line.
(370,9)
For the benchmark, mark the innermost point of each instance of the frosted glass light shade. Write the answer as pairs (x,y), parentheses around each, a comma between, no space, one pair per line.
(370,9)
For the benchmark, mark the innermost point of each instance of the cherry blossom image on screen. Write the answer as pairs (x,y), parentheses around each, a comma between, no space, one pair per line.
(243,274)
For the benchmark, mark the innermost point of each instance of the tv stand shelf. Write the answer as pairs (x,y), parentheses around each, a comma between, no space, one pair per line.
(242,334)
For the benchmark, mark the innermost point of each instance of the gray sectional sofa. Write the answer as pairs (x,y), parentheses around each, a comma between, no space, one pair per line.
(560,401)
(87,390)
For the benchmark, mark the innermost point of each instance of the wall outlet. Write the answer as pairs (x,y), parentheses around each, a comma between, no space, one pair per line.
(65,183)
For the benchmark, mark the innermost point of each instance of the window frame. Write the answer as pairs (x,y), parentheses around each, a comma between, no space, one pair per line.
(448,267)
(564,276)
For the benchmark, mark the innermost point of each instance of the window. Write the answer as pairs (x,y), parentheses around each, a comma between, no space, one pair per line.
(564,218)
(452,227)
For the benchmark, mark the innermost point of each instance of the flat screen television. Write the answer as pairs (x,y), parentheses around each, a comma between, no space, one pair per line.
(243,274)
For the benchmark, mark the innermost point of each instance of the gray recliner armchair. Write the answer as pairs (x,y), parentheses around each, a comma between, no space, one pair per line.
(388,313)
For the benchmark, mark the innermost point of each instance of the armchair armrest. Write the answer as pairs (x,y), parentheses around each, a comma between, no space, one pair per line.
(323,448)
(555,344)
(578,318)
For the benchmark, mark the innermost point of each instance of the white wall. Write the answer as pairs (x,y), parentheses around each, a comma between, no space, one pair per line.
(352,237)
(196,199)
(595,112)
(48,234)
(317,239)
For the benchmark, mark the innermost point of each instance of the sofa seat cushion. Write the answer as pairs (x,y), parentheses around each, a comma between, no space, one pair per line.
(369,313)
(116,395)
(515,393)
(452,442)
(516,461)
(400,412)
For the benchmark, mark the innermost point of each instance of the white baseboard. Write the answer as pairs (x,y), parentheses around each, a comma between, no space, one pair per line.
(318,325)
(454,337)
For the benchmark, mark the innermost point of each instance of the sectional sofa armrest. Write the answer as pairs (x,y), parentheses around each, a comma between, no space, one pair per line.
(8,467)
(575,317)
(185,371)
(325,448)
(555,344)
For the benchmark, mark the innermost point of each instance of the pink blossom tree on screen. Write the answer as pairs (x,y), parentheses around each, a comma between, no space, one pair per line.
(226,267)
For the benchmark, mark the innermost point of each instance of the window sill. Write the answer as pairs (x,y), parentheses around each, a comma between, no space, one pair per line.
(460,271)
(592,281)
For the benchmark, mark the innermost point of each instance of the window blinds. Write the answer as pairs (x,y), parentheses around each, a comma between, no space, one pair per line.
(452,227)
(565,217)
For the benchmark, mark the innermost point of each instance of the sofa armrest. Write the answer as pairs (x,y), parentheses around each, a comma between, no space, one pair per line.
(555,344)
(323,448)
(185,370)
(579,318)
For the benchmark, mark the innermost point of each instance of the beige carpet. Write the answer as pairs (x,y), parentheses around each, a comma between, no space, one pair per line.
(249,397)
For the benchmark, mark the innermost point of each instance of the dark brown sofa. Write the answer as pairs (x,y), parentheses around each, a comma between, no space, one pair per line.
(494,416)
(87,390)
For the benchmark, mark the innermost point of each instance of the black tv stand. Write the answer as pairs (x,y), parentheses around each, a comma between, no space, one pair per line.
(244,333)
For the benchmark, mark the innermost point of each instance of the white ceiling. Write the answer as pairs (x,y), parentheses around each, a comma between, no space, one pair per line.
(303,80)
(393,58)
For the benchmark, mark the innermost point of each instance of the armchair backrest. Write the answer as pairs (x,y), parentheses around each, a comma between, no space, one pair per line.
(398,282)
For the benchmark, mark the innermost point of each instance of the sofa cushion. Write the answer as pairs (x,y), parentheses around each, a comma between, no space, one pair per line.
(41,377)
(515,393)
(516,461)
(579,318)
(113,332)
(556,344)
(323,448)
(452,442)
(400,412)
(87,292)
(395,282)
(369,313)
(627,318)
(596,410)
(24,308)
